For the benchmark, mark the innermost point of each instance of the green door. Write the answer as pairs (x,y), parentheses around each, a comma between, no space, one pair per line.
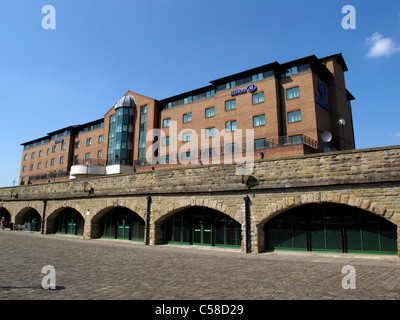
(71,228)
(123,226)
(202,230)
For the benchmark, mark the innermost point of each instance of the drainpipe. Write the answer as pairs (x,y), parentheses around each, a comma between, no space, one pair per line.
(44,214)
(148,220)
(248,223)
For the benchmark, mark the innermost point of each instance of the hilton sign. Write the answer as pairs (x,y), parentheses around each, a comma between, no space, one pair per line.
(250,88)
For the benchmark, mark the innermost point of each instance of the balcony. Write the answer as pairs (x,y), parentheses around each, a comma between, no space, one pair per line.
(88,168)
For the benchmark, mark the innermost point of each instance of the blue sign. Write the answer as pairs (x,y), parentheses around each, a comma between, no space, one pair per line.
(321,101)
(250,88)
(59,141)
(322,88)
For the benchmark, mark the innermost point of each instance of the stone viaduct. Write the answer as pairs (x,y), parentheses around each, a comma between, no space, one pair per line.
(368,179)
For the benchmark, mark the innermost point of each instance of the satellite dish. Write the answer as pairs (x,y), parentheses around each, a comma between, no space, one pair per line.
(326,136)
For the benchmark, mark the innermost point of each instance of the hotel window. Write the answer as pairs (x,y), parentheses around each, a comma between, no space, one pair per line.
(230,125)
(31,167)
(292,93)
(99,154)
(211,152)
(39,165)
(41,153)
(63,146)
(165,141)
(76,160)
(52,161)
(166,123)
(100,139)
(61,160)
(33,155)
(185,156)
(259,120)
(47,164)
(296,139)
(187,117)
(260,143)
(26,157)
(290,71)
(186,137)
(294,116)
(231,148)
(210,112)
(87,156)
(77,144)
(230,104)
(53,148)
(24,168)
(165,159)
(210,132)
(89,141)
(258,97)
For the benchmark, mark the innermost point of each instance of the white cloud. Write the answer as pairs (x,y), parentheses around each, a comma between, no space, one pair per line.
(397,134)
(380,46)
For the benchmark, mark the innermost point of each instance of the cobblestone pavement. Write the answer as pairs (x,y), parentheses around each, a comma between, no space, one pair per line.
(109,270)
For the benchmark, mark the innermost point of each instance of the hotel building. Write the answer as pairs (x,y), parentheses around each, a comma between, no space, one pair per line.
(295,108)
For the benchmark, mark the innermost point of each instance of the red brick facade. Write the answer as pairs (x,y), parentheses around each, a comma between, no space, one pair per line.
(289,106)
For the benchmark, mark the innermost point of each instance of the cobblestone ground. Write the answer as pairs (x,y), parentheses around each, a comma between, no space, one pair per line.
(109,270)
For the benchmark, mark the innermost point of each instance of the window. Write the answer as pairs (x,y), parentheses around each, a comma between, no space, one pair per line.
(165,141)
(165,159)
(24,168)
(230,104)
(186,155)
(258,97)
(290,71)
(166,123)
(210,132)
(294,116)
(87,156)
(33,155)
(296,139)
(89,141)
(31,167)
(210,112)
(100,139)
(259,120)
(187,117)
(77,144)
(230,125)
(211,152)
(231,148)
(99,154)
(292,93)
(39,165)
(76,160)
(260,143)
(26,157)
(53,148)
(61,160)
(40,153)
(186,137)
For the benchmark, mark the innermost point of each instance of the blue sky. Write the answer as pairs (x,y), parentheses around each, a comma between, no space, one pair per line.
(50,79)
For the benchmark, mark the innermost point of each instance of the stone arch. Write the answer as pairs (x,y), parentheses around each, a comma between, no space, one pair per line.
(175,206)
(6,214)
(51,219)
(31,216)
(216,208)
(98,216)
(286,204)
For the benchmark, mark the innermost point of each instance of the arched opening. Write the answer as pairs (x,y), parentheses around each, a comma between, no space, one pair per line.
(7,217)
(331,227)
(202,226)
(121,223)
(28,219)
(69,221)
